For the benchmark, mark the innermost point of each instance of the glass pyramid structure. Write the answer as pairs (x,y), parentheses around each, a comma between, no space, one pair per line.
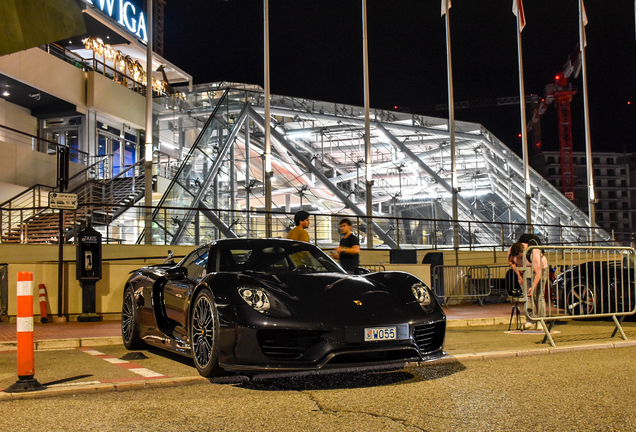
(210,143)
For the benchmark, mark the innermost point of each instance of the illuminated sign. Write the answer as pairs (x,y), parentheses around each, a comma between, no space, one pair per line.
(125,13)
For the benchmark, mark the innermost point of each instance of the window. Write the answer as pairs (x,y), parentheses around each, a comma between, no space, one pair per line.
(599,217)
(597,172)
(611,172)
(550,159)
(196,263)
(623,183)
(551,171)
(611,194)
(623,172)
(612,205)
(624,194)
(624,205)
(625,215)
(596,160)
(610,161)
(611,183)
(612,216)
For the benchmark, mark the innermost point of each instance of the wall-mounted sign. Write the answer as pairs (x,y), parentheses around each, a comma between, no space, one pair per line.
(125,13)
(64,201)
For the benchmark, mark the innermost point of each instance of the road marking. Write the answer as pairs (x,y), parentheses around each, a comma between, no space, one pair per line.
(124,364)
(146,373)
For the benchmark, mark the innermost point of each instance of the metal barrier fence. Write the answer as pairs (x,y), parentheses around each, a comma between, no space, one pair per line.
(4,290)
(461,282)
(374,268)
(590,282)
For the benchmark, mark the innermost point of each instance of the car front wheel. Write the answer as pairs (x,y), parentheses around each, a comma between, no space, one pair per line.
(204,333)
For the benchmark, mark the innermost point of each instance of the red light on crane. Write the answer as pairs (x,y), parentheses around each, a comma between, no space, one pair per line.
(395,107)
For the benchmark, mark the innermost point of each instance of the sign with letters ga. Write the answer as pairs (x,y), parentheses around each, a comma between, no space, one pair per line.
(125,13)
(63,201)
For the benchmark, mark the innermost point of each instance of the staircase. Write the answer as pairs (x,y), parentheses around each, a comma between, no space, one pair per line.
(27,218)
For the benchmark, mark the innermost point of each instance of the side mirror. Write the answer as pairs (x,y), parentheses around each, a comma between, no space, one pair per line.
(176,273)
(361,271)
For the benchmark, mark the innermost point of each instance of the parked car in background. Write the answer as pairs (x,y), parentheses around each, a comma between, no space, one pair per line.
(268,305)
(597,287)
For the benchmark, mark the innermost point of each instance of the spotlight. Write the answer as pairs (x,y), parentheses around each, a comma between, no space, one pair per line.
(6,92)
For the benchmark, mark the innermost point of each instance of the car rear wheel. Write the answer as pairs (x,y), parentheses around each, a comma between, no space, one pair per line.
(204,332)
(580,300)
(129,327)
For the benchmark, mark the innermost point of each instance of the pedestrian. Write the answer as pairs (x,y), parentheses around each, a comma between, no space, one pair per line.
(348,252)
(535,283)
(301,219)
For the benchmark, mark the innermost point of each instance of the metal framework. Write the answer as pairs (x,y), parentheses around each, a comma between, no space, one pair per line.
(318,163)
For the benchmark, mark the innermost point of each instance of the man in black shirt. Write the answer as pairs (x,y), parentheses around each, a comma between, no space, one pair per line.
(349,250)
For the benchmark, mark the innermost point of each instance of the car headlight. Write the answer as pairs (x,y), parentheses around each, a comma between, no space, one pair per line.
(421,293)
(255,297)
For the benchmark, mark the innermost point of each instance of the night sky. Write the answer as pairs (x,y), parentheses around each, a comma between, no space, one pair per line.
(316,53)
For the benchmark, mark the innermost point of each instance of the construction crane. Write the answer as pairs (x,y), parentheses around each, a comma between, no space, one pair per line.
(560,92)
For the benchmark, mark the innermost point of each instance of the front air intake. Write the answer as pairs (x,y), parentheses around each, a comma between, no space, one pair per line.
(429,337)
(287,344)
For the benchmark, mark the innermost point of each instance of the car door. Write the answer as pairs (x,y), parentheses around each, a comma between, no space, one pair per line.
(177,292)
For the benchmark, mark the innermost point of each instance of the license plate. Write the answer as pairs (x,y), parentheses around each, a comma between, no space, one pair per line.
(379,334)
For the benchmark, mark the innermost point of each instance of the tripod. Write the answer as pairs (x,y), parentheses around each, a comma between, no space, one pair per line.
(515,313)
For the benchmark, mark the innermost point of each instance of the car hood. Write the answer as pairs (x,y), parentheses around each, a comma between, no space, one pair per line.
(335,297)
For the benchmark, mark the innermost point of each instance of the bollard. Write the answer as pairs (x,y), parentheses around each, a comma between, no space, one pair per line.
(43,315)
(26,345)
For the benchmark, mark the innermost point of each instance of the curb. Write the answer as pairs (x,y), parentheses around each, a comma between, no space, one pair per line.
(524,353)
(104,388)
(50,344)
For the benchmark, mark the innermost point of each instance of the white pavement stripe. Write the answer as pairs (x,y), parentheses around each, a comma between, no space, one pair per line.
(146,372)
(94,352)
(25,288)
(115,360)
(24,324)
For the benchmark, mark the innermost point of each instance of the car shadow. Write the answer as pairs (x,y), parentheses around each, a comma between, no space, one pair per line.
(351,380)
(173,356)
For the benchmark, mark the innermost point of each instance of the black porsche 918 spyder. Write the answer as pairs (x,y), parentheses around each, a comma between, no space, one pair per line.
(269,305)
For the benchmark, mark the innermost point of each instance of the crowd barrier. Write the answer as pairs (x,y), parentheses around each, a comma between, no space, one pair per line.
(589,282)
(461,282)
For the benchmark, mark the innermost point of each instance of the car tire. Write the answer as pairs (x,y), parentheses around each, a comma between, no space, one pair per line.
(129,324)
(580,300)
(204,334)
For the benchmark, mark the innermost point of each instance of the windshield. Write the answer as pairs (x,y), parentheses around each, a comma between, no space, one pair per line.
(297,257)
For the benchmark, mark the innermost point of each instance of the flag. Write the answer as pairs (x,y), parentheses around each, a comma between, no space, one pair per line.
(584,20)
(517,9)
(446,5)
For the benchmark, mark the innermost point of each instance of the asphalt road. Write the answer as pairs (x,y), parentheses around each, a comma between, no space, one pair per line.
(569,391)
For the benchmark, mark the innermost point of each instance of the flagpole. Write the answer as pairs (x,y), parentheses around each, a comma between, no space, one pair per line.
(588,143)
(451,132)
(524,132)
(267,124)
(367,130)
